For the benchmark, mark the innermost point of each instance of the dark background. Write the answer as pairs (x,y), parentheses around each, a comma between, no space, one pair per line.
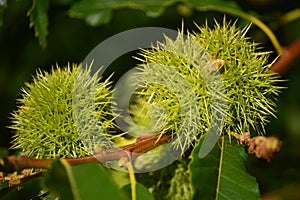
(70,40)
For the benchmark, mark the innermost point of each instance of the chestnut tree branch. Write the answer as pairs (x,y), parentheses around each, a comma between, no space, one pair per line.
(289,54)
(142,145)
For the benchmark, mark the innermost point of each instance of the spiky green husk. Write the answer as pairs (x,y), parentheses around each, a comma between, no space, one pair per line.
(247,86)
(45,123)
(251,87)
(170,82)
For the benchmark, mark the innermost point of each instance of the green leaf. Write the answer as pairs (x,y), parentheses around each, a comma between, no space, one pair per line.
(222,173)
(98,18)
(142,193)
(39,20)
(97,12)
(84,181)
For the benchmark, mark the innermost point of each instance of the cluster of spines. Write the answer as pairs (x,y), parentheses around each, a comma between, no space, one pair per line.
(45,125)
(251,87)
(248,88)
(44,122)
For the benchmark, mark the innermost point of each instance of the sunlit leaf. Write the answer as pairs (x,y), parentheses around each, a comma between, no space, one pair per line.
(39,20)
(222,173)
(84,181)
(97,18)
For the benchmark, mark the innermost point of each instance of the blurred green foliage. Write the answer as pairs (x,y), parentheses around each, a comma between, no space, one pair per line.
(71,39)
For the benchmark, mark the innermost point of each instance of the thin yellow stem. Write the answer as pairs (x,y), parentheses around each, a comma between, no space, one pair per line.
(267,31)
(129,166)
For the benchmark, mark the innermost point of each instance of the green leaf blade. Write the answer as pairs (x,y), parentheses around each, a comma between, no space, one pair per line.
(222,173)
(86,181)
(234,161)
(39,20)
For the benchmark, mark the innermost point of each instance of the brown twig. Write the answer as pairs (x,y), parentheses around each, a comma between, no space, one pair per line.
(143,144)
(288,55)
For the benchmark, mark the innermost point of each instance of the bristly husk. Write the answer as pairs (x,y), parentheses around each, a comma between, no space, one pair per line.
(219,65)
(251,87)
(48,123)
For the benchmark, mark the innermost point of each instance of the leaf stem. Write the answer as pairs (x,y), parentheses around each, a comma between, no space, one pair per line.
(130,169)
